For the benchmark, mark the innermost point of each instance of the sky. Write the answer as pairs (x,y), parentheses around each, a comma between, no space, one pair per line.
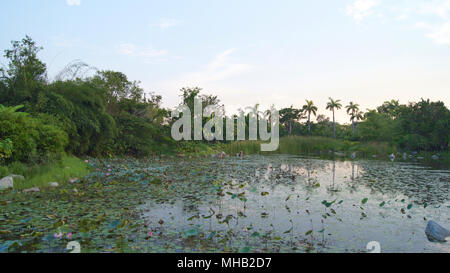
(253,51)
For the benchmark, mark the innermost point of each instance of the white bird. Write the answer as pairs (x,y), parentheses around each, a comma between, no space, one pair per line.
(392,157)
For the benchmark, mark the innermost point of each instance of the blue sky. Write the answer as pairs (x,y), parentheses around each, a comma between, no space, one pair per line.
(248,52)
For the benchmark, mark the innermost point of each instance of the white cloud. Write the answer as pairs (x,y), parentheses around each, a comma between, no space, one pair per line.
(133,50)
(401,17)
(220,68)
(166,23)
(361,9)
(73,2)
(440,8)
(440,34)
(211,75)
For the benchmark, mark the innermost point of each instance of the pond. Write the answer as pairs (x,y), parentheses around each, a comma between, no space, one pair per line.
(283,203)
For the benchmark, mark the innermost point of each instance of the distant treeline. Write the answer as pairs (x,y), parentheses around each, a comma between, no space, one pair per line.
(105,114)
(421,126)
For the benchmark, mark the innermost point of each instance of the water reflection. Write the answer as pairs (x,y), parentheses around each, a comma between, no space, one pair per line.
(275,193)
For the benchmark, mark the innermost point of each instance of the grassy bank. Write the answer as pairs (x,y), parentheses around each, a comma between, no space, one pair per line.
(41,175)
(328,147)
(304,145)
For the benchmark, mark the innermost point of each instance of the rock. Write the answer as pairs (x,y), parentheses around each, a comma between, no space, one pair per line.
(405,156)
(436,233)
(35,189)
(353,155)
(53,184)
(435,157)
(6,183)
(339,154)
(73,180)
(420,157)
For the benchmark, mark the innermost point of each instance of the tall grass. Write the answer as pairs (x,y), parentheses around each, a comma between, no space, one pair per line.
(41,175)
(307,145)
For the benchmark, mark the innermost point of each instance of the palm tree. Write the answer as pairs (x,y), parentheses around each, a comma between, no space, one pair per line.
(352,109)
(310,108)
(358,116)
(332,105)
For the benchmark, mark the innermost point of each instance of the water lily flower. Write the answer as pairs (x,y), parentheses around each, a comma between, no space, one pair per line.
(58,235)
(69,235)
(108,174)
(87,161)
(150,234)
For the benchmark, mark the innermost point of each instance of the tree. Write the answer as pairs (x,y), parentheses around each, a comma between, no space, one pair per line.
(424,125)
(24,67)
(24,75)
(117,87)
(352,109)
(391,108)
(333,105)
(288,116)
(310,108)
(359,115)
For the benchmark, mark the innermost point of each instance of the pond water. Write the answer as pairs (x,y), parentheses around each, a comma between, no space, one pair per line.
(285,203)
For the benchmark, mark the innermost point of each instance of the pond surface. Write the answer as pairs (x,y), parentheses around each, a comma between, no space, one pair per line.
(285,203)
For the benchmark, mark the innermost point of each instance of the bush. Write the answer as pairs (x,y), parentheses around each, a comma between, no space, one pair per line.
(27,139)
(5,149)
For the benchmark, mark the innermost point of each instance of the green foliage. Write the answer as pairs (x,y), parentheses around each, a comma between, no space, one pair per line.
(24,68)
(79,106)
(312,145)
(377,127)
(424,126)
(6,148)
(29,139)
(136,135)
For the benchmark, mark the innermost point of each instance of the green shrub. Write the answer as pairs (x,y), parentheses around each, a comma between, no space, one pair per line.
(27,139)
(5,149)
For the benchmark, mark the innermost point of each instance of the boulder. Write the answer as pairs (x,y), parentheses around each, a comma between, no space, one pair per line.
(434,157)
(436,233)
(6,183)
(36,189)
